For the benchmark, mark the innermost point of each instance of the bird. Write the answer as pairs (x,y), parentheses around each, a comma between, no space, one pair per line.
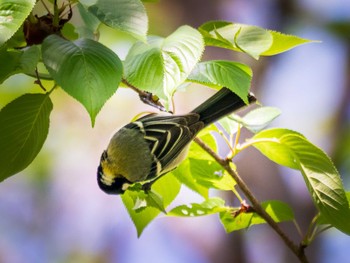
(155,144)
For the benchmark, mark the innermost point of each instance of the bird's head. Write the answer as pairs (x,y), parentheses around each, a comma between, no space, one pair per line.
(108,180)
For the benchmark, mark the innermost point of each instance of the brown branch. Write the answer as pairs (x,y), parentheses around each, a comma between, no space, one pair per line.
(225,163)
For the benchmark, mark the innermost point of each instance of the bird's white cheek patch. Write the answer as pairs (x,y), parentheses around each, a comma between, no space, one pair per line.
(125,186)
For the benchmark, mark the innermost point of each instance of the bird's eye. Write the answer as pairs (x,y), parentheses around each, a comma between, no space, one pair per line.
(104,156)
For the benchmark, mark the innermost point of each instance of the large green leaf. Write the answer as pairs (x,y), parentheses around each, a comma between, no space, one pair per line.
(162,64)
(220,73)
(252,40)
(12,15)
(291,149)
(166,187)
(24,125)
(85,69)
(126,15)
(18,61)
(278,211)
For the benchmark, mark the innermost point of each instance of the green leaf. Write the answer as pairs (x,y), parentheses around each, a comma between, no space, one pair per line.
(259,118)
(255,120)
(211,175)
(200,171)
(91,24)
(125,15)
(162,64)
(85,69)
(142,199)
(208,207)
(291,149)
(18,61)
(12,15)
(17,40)
(253,40)
(282,43)
(184,174)
(321,220)
(69,32)
(24,125)
(279,212)
(155,200)
(167,187)
(229,125)
(220,73)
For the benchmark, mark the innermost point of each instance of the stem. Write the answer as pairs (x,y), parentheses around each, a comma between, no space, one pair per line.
(298,228)
(227,142)
(235,145)
(38,81)
(238,135)
(251,142)
(146,97)
(297,250)
(56,15)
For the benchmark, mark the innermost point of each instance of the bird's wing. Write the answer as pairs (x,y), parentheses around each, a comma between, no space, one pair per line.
(167,136)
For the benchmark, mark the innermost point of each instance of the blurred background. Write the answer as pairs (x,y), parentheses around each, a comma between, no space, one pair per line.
(54,211)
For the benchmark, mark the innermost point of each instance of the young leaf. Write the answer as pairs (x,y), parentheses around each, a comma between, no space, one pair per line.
(291,149)
(155,200)
(166,187)
(210,206)
(126,15)
(142,199)
(18,61)
(162,64)
(229,125)
(24,125)
(252,40)
(12,15)
(255,120)
(259,118)
(85,69)
(282,43)
(220,73)
(279,211)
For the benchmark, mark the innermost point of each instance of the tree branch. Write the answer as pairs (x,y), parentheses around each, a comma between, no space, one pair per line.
(225,163)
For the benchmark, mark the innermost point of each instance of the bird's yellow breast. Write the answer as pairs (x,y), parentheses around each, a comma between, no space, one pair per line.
(107,174)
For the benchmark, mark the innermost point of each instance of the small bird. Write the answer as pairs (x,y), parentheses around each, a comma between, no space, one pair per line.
(155,144)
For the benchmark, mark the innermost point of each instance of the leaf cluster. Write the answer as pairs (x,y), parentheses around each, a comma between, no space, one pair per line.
(91,72)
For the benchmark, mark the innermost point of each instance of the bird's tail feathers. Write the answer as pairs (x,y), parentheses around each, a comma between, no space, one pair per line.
(221,104)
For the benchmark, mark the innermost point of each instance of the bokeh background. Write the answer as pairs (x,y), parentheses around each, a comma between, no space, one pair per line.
(54,212)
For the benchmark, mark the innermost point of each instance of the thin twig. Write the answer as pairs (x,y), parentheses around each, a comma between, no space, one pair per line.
(146,97)
(38,81)
(297,250)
